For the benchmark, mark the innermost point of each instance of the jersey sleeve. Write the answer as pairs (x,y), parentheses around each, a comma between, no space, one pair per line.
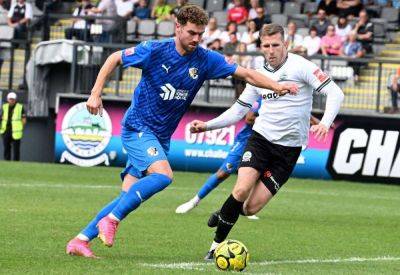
(314,76)
(138,56)
(218,67)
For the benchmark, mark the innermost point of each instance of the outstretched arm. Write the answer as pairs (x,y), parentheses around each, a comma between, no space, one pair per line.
(94,103)
(235,113)
(259,80)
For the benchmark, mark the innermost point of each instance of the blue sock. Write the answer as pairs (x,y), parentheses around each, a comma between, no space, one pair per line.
(139,192)
(209,185)
(91,230)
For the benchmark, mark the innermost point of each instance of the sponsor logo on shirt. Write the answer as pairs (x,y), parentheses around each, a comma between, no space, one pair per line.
(271,96)
(169,93)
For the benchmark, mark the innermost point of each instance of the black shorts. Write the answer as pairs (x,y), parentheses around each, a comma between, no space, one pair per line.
(275,162)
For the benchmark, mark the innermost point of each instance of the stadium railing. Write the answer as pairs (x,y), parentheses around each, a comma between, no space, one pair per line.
(367,93)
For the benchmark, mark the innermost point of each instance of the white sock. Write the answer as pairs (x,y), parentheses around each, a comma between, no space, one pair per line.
(82,237)
(112,216)
(196,200)
(213,245)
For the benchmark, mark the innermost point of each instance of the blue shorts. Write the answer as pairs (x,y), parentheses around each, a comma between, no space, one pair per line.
(234,157)
(143,149)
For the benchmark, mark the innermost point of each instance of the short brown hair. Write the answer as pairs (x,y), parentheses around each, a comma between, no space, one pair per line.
(271,29)
(193,14)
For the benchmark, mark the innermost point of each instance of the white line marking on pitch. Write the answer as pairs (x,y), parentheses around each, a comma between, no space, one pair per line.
(200,266)
(87,186)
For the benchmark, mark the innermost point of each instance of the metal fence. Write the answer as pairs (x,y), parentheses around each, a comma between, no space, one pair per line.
(14,55)
(364,81)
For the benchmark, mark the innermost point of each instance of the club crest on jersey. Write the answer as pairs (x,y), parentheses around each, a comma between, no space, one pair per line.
(193,73)
(247,156)
(152,151)
(283,77)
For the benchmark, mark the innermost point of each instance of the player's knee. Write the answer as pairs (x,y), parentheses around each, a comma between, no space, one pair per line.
(241,193)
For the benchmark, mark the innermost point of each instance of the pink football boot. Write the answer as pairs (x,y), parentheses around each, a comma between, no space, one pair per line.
(78,247)
(107,229)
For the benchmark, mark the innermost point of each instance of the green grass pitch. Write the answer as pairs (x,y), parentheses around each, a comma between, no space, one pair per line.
(317,227)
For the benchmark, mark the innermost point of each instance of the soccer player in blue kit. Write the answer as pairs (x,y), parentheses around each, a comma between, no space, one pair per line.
(173,70)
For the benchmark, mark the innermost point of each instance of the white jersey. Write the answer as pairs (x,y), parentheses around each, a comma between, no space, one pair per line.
(285,120)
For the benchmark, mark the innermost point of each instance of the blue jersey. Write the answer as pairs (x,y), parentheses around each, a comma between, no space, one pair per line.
(169,84)
(246,131)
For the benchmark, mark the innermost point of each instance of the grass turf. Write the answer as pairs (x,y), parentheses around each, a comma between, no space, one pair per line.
(343,227)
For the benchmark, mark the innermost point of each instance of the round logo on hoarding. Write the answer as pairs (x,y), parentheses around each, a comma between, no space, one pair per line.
(86,135)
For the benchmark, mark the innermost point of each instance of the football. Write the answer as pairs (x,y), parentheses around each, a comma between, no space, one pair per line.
(231,255)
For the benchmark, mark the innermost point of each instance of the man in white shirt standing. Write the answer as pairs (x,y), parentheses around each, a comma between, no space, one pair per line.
(19,16)
(125,8)
(279,132)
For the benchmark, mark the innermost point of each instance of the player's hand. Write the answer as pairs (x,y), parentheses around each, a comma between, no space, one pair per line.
(197,126)
(320,131)
(94,105)
(285,88)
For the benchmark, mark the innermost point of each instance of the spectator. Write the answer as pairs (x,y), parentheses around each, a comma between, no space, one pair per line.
(125,8)
(212,32)
(329,6)
(215,45)
(5,4)
(353,49)
(179,4)
(394,89)
(109,9)
(293,40)
(331,43)
(161,11)
(321,24)
(364,29)
(231,27)
(349,8)
(141,11)
(19,16)
(238,13)
(261,18)
(312,42)
(12,126)
(80,29)
(3,12)
(254,5)
(343,28)
(233,43)
(250,37)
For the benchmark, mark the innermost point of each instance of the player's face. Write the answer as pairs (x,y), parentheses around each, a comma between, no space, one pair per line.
(189,35)
(274,49)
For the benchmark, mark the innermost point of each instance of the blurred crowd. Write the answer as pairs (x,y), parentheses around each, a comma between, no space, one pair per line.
(337,28)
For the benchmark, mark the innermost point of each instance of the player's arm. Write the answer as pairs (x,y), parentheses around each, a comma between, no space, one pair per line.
(94,103)
(322,83)
(259,80)
(235,113)
(316,121)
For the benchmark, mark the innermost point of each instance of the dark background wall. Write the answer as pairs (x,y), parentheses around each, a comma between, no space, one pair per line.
(38,141)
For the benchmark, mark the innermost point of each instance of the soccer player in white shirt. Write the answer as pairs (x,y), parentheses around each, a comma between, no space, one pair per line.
(279,132)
